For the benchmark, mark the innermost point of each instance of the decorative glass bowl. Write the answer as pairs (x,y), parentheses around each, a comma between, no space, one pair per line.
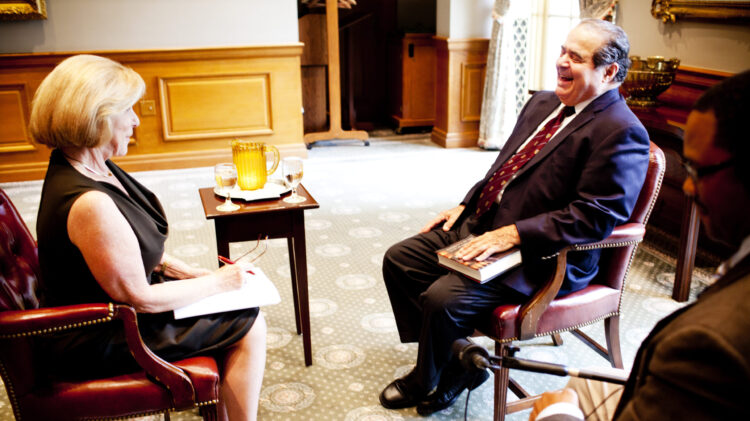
(648,78)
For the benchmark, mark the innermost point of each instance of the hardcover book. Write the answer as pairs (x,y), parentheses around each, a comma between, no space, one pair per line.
(482,271)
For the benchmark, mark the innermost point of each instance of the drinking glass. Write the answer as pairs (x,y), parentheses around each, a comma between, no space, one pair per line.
(226,179)
(291,169)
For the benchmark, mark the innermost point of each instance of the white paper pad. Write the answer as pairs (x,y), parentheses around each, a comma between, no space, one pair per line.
(257,291)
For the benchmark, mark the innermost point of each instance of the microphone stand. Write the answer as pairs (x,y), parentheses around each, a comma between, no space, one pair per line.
(474,357)
(554,369)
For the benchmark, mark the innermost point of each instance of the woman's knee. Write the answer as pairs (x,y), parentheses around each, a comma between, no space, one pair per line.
(258,332)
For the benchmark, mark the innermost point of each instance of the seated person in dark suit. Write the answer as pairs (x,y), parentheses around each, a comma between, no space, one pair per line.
(569,173)
(101,238)
(695,363)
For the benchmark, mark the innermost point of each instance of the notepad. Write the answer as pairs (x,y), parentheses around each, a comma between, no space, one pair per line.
(257,291)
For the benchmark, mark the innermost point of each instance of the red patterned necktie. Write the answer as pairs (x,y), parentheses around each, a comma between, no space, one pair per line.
(501,177)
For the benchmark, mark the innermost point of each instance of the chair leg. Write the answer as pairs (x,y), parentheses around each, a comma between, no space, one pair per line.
(612,334)
(556,339)
(517,390)
(209,412)
(502,377)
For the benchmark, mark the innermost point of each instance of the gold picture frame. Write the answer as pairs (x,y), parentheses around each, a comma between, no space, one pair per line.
(23,9)
(669,11)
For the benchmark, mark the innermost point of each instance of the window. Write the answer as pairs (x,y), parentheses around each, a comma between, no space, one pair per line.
(549,24)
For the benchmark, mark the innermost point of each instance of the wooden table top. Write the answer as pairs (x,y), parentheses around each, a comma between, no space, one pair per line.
(211,200)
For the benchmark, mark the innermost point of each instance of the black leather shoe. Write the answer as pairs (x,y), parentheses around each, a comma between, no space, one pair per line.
(449,390)
(398,395)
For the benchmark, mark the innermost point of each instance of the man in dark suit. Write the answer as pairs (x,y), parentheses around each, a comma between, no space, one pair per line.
(695,363)
(561,179)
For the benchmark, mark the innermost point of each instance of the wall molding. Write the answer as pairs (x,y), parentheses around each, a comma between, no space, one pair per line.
(196,102)
(25,60)
(461,65)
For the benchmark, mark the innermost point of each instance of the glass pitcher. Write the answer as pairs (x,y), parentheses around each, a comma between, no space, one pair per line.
(252,163)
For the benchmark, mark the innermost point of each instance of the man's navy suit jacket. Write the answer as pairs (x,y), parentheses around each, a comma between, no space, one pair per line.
(581,185)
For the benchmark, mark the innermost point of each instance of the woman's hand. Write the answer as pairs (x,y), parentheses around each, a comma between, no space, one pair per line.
(489,243)
(450,217)
(232,276)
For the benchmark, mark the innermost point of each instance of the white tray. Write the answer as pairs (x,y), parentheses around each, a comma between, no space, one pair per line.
(273,189)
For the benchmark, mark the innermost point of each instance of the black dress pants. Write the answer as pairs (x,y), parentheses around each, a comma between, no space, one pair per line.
(433,305)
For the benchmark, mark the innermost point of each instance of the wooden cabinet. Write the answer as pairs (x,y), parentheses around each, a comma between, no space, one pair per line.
(314,62)
(413,81)
(674,213)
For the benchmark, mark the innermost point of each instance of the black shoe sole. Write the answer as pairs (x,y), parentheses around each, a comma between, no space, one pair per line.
(429,407)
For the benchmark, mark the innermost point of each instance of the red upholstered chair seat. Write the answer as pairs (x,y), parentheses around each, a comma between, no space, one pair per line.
(595,302)
(134,394)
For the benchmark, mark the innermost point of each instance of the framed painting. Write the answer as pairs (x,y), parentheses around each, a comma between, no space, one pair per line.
(669,11)
(22,9)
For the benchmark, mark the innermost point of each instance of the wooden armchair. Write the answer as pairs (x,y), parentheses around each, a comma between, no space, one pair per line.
(547,314)
(161,387)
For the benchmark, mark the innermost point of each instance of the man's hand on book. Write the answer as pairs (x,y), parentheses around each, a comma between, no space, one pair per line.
(450,217)
(489,243)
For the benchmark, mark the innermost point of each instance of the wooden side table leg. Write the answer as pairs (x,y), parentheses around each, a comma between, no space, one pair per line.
(295,281)
(222,247)
(686,254)
(300,258)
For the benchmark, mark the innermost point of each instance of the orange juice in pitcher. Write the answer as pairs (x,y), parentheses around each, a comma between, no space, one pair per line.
(252,163)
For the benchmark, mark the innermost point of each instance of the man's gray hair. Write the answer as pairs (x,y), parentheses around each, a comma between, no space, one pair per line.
(615,49)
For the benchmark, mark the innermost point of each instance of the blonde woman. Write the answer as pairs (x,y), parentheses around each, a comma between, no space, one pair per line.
(101,238)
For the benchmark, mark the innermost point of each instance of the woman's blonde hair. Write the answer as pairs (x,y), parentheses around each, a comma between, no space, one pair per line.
(75,102)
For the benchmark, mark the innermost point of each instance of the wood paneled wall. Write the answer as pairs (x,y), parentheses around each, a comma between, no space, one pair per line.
(461,67)
(196,102)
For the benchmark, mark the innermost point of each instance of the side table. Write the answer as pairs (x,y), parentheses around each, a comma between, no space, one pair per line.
(276,219)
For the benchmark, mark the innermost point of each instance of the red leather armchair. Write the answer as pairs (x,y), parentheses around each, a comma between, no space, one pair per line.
(546,314)
(161,387)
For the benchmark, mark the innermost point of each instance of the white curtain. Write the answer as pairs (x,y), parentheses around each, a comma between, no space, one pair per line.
(597,9)
(498,106)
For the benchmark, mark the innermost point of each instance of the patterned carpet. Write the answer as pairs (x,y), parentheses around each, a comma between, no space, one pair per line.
(370,197)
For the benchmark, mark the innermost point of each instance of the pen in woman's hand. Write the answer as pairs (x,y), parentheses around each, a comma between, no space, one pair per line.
(229,262)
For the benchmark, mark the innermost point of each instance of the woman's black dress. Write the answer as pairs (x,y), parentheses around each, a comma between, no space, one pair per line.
(66,279)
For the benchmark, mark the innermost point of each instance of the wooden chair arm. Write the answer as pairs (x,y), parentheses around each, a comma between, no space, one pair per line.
(530,312)
(36,322)
(178,383)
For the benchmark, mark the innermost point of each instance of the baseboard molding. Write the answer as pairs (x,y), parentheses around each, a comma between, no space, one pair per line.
(454,140)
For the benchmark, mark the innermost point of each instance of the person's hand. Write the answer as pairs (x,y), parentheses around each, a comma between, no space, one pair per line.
(548,398)
(232,276)
(489,243)
(449,216)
